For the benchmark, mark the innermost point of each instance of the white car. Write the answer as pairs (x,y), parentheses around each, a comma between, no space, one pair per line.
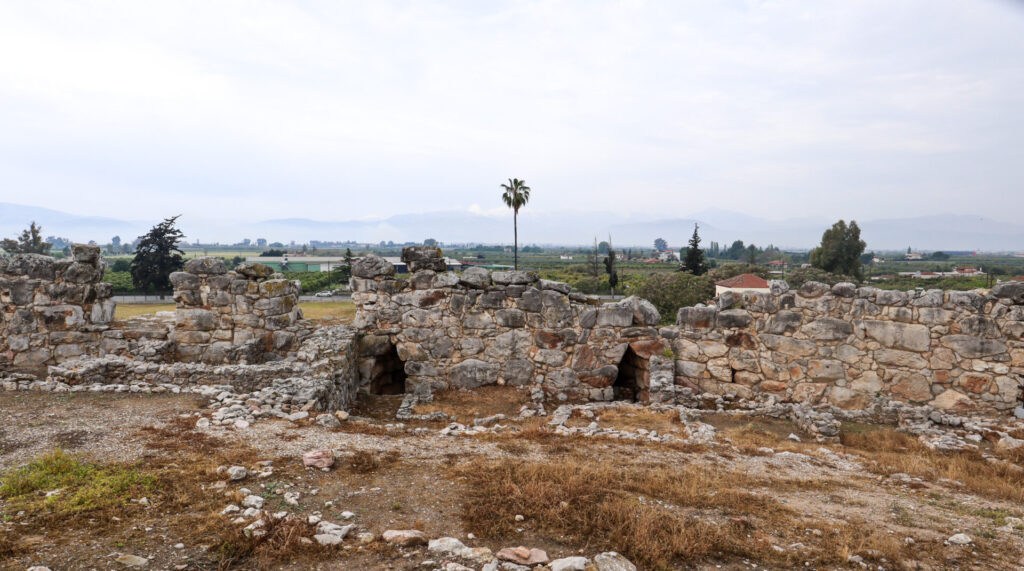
(323,294)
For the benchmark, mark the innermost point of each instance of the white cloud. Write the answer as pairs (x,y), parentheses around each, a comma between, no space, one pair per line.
(358,110)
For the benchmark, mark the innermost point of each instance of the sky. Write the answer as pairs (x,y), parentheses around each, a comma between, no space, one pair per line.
(360,110)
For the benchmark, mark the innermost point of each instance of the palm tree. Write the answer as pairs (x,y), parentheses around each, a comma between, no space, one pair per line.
(516,195)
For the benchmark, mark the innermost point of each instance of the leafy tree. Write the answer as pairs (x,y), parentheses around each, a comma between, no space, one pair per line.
(273,253)
(693,260)
(941,256)
(752,254)
(669,291)
(121,265)
(430,242)
(603,247)
(866,258)
(660,244)
(348,256)
(157,256)
(609,266)
(516,195)
(840,250)
(261,242)
(30,242)
(736,250)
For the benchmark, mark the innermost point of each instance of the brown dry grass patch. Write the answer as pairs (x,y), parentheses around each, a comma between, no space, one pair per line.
(629,418)
(658,516)
(465,405)
(894,452)
(365,462)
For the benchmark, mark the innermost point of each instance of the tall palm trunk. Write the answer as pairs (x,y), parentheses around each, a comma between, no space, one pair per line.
(515,238)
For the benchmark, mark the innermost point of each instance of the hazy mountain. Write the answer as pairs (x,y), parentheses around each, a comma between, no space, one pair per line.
(943,232)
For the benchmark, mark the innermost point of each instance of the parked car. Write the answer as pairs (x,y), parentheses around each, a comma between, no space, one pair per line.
(323,294)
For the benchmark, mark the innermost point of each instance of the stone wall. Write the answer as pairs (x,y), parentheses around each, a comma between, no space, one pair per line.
(439,330)
(846,345)
(244,315)
(841,345)
(52,310)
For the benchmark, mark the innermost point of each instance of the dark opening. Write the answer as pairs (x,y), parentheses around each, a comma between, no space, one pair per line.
(388,375)
(627,383)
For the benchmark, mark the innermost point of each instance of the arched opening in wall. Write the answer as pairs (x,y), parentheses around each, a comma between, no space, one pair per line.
(388,374)
(629,382)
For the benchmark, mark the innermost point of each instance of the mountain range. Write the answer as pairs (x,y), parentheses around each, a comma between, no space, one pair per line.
(927,233)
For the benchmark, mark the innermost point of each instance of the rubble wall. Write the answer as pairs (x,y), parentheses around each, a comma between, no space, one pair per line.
(243,315)
(481,328)
(844,345)
(51,310)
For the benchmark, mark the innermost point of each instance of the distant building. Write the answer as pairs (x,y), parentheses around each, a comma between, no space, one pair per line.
(913,256)
(742,283)
(565,257)
(668,256)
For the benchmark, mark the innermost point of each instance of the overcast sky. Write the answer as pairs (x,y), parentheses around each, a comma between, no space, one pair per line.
(336,110)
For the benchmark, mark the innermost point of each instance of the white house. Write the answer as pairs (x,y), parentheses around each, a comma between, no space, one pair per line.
(742,283)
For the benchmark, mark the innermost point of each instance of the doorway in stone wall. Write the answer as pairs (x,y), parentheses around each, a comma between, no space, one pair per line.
(388,374)
(629,382)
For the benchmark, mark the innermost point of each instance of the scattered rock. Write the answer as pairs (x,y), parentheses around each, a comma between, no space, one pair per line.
(569,564)
(132,560)
(960,539)
(405,537)
(236,473)
(523,555)
(318,459)
(612,561)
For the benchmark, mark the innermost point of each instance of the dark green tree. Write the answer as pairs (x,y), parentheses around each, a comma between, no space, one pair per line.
(609,266)
(348,256)
(30,242)
(752,255)
(157,256)
(516,194)
(660,244)
(840,250)
(693,257)
(736,251)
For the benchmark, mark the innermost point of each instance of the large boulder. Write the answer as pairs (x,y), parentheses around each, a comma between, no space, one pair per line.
(644,312)
(418,258)
(86,254)
(1010,290)
(254,270)
(207,265)
(372,266)
(35,266)
(475,277)
(473,373)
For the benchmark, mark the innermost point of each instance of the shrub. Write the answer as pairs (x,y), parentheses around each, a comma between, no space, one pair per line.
(670,291)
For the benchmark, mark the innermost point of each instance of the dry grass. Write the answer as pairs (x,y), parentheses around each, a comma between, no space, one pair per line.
(895,452)
(660,516)
(342,311)
(364,462)
(129,310)
(465,405)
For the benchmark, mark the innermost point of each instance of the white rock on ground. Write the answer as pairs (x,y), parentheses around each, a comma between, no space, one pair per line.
(960,539)
(612,561)
(236,473)
(132,560)
(569,564)
(251,501)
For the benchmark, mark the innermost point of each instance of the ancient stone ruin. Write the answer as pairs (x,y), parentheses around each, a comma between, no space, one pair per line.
(436,330)
(843,345)
(52,310)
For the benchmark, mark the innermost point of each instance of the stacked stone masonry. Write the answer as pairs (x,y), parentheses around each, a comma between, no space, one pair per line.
(448,330)
(955,350)
(52,310)
(842,345)
(244,315)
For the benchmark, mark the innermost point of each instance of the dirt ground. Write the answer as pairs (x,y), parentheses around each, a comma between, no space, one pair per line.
(391,478)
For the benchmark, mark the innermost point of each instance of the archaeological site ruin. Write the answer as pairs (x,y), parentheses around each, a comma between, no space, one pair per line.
(845,346)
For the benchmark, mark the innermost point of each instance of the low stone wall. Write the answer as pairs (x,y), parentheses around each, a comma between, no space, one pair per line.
(844,345)
(52,310)
(440,330)
(841,345)
(235,316)
(321,376)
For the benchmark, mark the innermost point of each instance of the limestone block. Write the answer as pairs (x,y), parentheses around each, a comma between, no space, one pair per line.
(897,335)
(419,258)
(510,318)
(697,317)
(207,265)
(899,358)
(934,316)
(953,401)
(825,370)
(844,289)
(560,287)
(868,383)
(32,266)
(828,329)
(519,277)
(473,373)
(1012,290)
(86,254)
(734,318)
(970,347)
(980,326)
(913,387)
(371,267)
(784,321)
(891,297)
(195,319)
(254,270)
(813,289)
(789,345)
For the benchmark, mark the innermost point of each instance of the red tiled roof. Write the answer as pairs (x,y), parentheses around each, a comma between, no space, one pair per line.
(1018,279)
(744,281)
